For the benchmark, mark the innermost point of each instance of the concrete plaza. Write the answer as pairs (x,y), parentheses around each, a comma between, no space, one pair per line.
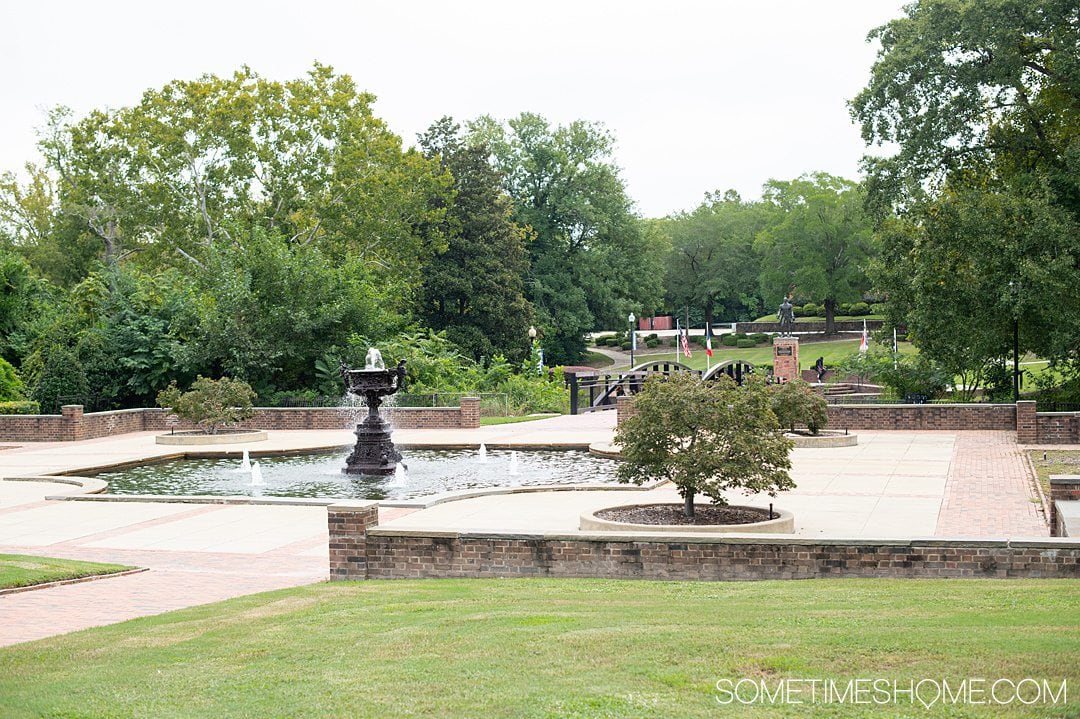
(893,484)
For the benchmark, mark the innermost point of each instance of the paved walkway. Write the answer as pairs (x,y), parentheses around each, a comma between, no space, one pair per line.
(891,484)
(990,492)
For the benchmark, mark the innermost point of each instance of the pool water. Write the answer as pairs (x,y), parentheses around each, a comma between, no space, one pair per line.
(320,475)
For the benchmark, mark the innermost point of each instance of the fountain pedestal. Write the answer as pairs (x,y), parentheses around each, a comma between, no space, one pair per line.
(374,453)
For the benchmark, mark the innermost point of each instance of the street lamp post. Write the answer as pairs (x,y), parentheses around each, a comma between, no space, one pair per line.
(1014,289)
(532,340)
(633,338)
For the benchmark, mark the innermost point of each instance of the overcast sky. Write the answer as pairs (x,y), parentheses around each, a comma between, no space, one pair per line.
(701,95)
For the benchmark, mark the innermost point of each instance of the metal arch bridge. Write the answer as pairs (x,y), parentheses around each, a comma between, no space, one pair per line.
(601,390)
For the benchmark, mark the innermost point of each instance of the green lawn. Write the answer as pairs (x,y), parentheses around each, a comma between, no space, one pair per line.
(833,351)
(485,421)
(552,648)
(597,360)
(20,570)
(1058,461)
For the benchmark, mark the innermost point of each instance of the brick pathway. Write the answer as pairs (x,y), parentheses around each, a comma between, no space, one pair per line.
(989,490)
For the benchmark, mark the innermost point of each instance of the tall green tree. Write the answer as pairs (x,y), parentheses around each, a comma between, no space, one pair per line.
(592,261)
(982,102)
(205,161)
(474,290)
(990,86)
(712,264)
(818,242)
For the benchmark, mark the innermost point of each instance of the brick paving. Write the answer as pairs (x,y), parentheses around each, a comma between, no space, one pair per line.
(990,490)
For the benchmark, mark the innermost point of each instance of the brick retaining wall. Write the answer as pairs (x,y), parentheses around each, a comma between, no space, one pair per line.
(73,424)
(922,416)
(1063,488)
(360,550)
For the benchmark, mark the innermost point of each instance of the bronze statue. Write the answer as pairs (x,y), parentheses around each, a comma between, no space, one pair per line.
(786,315)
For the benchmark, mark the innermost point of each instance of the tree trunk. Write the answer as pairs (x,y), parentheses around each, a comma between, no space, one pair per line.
(688,503)
(708,317)
(830,316)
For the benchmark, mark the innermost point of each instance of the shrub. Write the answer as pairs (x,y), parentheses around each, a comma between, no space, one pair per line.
(704,437)
(796,403)
(859,309)
(625,345)
(759,338)
(877,308)
(745,343)
(20,407)
(210,403)
(729,340)
(11,387)
(652,336)
(674,341)
(652,342)
(810,310)
(906,376)
(844,308)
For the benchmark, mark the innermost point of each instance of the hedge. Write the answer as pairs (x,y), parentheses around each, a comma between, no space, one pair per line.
(20,407)
(745,343)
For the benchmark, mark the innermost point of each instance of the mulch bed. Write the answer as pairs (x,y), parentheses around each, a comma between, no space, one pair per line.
(673,514)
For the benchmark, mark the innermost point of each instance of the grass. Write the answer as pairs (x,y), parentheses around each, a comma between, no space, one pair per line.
(1058,461)
(485,421)
(20,570)
(833,351)
(551,648)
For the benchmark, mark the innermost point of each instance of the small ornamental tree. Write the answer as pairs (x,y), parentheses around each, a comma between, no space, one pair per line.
(704,437)
(796,403)
(210,403)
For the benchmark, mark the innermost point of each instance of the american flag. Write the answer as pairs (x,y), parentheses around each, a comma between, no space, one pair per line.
(685,344)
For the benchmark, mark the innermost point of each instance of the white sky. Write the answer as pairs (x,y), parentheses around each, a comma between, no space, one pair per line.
(700,95)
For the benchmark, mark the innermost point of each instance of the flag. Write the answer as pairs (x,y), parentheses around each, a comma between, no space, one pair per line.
(708,345)
(685,344)
(865,344)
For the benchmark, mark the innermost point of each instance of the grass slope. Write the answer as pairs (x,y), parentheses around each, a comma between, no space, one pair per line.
(21,570)
(551,648)
(833,351)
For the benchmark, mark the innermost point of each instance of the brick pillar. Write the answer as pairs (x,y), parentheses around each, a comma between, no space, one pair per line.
(470,412)
(1063,488)
(624,408)
(1027,426)
(74,429)
(348,523)
(786,358)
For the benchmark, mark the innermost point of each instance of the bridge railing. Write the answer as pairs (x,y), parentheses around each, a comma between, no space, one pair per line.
(590,392)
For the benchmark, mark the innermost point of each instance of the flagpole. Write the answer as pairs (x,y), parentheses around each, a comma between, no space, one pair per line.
(708,348)
(678,336)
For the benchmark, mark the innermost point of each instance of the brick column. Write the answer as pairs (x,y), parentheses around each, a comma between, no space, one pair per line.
(73,427)
(1063,488)
(470,412)
(348,523)
(786,358)
(1027,426)
(624,408)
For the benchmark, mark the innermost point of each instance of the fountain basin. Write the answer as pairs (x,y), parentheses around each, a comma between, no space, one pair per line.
(430,472)
(201,438)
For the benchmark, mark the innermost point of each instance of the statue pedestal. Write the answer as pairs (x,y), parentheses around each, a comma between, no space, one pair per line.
(785,351)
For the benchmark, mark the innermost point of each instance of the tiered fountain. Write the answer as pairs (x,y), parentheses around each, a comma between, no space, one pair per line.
(374,453)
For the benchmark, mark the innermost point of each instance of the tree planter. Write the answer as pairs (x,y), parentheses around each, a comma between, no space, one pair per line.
(232,436)
(783,522)
(824,438)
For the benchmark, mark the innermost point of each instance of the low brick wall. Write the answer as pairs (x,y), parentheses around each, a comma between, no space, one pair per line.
(74,425)
(1057,428)
(359,550)
(922,416)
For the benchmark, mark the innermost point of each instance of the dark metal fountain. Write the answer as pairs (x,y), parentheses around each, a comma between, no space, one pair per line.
(374,453)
